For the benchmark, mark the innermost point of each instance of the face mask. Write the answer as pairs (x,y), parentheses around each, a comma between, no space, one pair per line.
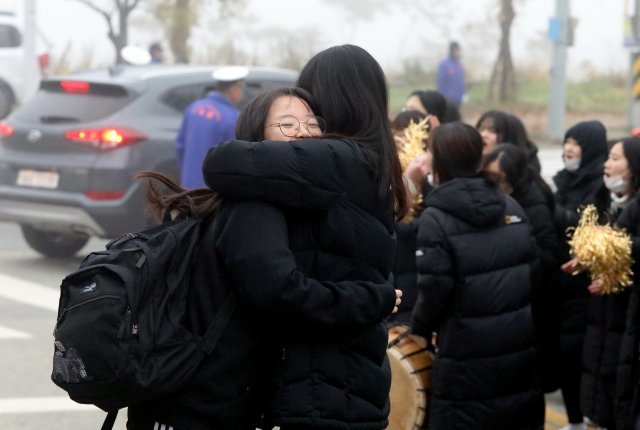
(572,165)
(616,184)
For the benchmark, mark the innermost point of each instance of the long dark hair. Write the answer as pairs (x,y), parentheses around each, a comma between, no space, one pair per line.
(509,128)
(168,200)
(457,151)
(514,163)
(631,150)
(165,196)
(404,118)
(432,101)
(351,93)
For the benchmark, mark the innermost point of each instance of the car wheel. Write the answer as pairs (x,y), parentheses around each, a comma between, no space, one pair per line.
(7,100)
(52,244)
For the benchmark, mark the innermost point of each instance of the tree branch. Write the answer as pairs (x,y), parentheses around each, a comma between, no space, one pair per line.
(104,13)
(96,8)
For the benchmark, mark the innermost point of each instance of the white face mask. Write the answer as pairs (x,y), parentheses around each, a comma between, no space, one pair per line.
(616,184)
(572,165)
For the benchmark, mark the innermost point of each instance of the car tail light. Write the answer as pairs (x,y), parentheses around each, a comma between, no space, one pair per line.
(105,139)
(75,86)
(6,130)
(104,195)
(43,62)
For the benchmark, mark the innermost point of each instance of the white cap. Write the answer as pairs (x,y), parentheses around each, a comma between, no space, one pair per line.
(135,55)
(230,73)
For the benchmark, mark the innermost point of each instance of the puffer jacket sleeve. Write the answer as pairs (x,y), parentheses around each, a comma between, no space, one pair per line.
(543,230)
(436,278)
(254,245)
(305,174)
(628,221)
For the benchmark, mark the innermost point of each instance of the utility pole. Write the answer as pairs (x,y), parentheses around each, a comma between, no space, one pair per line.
(560,32)
(31,77)
(632,41)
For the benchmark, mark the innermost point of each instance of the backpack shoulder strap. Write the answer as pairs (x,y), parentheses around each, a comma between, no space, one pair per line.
(109,421)
(215,330)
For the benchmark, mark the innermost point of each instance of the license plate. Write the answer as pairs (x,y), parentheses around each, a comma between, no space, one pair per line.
(35,178)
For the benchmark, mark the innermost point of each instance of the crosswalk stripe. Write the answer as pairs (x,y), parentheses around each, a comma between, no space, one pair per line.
(25,405)
(9,333)
(28,292)
(554,419)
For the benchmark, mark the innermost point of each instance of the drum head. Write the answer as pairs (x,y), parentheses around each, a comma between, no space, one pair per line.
(410,379)
(407,394)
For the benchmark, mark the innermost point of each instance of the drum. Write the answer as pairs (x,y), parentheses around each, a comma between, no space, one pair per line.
(411,361)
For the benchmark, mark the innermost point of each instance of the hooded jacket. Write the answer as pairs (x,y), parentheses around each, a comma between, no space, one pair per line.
(475,263)
(574,191)
(332,375)
(582,187)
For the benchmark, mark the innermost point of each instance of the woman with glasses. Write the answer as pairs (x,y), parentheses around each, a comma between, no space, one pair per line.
(331,369)
(285,281)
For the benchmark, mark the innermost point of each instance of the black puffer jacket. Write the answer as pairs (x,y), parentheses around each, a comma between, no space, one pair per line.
(576,190)
(539,210)
(334,374)
(404,268)
(627,403)
(231,403)
(255,251)
(607,316)
(475,260)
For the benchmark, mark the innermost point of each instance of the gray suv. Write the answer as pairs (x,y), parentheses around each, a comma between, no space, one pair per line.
(68,156)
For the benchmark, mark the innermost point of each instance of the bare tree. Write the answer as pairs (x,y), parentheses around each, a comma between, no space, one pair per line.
(503,74)
(178,17)
(120,13)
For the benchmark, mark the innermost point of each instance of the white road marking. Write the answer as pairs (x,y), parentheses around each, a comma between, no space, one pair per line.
(29,293)
(27,405)
(9,333)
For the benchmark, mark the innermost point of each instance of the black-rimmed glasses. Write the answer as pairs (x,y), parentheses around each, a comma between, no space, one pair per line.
(290,125)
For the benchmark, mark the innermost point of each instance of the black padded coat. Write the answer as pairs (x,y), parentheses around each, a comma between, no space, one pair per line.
(308,332)
(331,370)
(476,260)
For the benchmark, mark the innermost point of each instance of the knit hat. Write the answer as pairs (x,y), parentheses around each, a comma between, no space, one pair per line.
(592,138)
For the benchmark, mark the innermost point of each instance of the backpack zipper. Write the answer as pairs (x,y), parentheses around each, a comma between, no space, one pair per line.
(124,238)
(126,324)
(82,303)
(87,301)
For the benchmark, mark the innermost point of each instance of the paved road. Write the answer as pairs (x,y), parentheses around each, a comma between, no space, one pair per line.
(28,304)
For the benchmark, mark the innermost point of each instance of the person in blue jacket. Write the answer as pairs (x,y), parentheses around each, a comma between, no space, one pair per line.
(207,122)
(450,77)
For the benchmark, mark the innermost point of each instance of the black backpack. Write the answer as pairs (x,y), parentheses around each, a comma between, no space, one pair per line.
(119,336)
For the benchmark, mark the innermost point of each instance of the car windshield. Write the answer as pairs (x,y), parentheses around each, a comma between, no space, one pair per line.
(54,104)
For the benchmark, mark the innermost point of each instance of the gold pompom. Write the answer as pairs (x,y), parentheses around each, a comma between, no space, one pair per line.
(412,144)
(603,251)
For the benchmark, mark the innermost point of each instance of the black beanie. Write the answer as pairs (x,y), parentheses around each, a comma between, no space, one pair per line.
(592,138)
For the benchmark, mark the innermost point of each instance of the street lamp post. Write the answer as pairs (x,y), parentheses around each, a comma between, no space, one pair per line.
(31,77)
(560,33)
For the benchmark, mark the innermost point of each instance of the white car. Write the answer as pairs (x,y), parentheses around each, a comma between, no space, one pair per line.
(14,89)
